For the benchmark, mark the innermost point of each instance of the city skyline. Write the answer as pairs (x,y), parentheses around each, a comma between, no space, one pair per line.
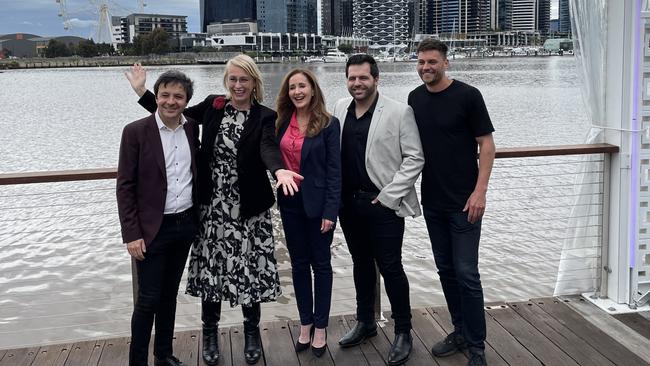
(40,16)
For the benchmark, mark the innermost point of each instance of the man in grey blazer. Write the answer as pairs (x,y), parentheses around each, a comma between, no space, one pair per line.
(381,158)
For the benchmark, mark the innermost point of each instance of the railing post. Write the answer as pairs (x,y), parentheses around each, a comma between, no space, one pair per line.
(605,269)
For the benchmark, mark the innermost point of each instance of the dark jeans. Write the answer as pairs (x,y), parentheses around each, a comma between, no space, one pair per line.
(309,250)
(454,242)
(374,234)
(159,275)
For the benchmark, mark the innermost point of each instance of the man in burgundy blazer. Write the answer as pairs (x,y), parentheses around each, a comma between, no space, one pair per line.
(156,185)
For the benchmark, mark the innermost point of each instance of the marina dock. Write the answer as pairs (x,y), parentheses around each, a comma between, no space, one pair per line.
(547,331)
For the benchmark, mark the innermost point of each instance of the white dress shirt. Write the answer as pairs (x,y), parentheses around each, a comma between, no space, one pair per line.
(178,166)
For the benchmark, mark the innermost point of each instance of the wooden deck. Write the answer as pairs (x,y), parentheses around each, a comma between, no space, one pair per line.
(546,331)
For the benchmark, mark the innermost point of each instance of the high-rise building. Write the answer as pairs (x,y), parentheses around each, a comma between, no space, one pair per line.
(543,20)
(564,17)
(524,15)
(215,11)
(347,23)
(382,21)
(504,15)
(414,17)
(331,17)
(272,16)
(424,24)
(452,17)
(282,16)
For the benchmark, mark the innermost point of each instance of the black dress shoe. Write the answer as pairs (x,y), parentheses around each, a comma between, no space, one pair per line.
(319,351)
(302,346)
(169,361)
(401,349)
(358,334)
(305,346)
(210,345)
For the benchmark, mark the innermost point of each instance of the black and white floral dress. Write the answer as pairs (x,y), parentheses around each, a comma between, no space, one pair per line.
(233,258)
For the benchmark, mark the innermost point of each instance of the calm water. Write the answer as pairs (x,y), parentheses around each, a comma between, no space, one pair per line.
(73,118)
(64,273)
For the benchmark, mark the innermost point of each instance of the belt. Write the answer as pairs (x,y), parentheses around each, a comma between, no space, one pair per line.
(362,194)
(179,215)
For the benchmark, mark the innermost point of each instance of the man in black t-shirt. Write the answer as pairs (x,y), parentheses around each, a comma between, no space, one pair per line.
(453,121)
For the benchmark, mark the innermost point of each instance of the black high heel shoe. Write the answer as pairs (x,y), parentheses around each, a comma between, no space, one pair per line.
(319,351)
(305,346)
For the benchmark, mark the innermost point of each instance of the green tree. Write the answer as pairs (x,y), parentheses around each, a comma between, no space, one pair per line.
(57,49)
(159,41)
(346,48)
(87,48)
(105,49)
(141,45)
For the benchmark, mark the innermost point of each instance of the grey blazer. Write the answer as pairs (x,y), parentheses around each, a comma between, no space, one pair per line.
(394,157)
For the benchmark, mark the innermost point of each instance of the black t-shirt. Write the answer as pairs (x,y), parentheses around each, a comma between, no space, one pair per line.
(449,122)
(353,151)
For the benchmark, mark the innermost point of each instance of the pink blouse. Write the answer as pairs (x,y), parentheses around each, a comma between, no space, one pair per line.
(291,146)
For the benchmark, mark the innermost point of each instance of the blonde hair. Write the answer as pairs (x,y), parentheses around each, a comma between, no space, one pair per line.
(319,117)
(249,66)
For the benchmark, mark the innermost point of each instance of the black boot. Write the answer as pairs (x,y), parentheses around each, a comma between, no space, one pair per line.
(252,342)
(210,315)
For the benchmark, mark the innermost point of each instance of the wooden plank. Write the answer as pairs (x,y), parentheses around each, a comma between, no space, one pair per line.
(419,356)
(430,332)
(82,353)
(277,342)
(540,346)
(307,357)
(645,314)
(607,346)
(351,356)
(116,352)
(19,357)
(564,338)
(583,149)
(186,346)
(52,355)
(636,321)
(96,354)
(493,354)
(373,357)
(58,176)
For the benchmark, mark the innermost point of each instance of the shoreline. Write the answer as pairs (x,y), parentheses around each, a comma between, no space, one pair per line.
(191,59)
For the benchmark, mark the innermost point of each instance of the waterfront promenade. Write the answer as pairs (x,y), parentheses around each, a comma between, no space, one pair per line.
(547,331)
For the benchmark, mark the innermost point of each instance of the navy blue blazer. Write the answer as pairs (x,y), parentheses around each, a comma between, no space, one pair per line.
(320,165)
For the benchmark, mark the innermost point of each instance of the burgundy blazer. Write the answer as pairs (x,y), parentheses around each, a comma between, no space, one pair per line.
(142,178)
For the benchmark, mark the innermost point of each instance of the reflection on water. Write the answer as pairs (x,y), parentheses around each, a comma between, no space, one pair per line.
(64,273)
(73,118)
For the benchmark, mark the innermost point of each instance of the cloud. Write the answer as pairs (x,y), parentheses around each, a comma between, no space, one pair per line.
(78,23)
(26,23)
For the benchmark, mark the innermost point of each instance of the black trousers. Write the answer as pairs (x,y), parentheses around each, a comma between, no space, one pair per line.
(309,250)
(159,275)
(374,234)
(455,242)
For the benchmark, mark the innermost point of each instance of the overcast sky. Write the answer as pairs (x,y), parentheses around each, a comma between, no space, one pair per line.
(41,16)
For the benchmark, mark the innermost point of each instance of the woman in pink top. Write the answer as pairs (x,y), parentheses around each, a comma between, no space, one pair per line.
(309,142)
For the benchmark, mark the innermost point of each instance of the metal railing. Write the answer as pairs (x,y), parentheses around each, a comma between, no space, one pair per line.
(64,274)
